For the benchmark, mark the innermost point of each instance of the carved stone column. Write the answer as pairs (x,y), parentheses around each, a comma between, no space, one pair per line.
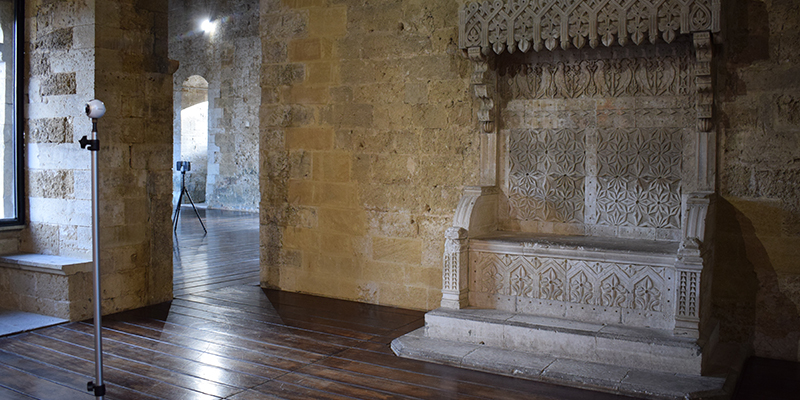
(692,256)
(455,276)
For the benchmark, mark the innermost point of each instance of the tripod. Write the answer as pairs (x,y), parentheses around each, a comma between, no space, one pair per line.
(183,166)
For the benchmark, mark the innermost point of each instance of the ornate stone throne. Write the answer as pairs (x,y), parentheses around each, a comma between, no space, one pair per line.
(590,237)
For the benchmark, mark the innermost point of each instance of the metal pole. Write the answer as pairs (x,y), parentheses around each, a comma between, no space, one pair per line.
(98,334)
(94,110)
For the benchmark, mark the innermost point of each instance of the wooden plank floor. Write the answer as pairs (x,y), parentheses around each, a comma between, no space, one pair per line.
(227,255)
(223,337)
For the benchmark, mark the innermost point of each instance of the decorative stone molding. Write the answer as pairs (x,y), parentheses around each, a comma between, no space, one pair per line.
(705,90)
(639,76)
(633,294)
(511,25)
(483,88)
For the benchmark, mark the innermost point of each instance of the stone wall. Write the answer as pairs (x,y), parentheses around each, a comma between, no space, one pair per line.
(115,51)
(757,277)
(367,137)
(229,59)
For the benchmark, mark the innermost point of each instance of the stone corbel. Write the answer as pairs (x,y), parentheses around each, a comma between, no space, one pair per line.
(705,90)
(483,87)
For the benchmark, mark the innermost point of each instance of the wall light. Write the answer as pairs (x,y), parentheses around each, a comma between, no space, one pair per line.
(208,27)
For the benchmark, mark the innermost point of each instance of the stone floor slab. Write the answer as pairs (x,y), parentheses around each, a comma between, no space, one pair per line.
(12,321)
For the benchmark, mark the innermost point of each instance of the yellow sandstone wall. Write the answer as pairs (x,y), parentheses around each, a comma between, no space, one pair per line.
(115,51)
(367,140)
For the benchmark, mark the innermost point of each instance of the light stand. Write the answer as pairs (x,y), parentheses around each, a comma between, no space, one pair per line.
(184,166)
(94,110)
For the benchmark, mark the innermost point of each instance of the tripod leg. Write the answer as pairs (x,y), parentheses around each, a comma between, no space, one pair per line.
(196,213)
(177,211)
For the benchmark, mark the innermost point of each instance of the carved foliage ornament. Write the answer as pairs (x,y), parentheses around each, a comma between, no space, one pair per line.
(536,24)
(606,284)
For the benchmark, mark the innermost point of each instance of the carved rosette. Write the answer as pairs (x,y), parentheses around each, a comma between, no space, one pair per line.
(454,274)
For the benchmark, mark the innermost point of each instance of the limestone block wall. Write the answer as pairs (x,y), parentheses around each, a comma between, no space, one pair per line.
(367,137)
(60,64)
(115,51)
(757,276)
(230,60)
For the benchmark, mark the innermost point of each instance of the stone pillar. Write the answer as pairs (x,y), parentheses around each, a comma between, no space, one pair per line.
(115,51)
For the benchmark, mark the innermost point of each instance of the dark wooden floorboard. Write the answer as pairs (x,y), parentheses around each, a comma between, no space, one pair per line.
(224,337)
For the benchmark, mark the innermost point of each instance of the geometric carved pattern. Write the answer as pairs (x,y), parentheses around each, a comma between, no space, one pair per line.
(546,174)
(575,78)
(687,294)
(536,24)
(612,285)
(639,177)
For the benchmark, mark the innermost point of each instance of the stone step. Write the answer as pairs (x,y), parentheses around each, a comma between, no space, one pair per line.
(624,346)
(560,370)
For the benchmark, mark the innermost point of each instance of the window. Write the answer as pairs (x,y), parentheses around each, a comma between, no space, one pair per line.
(11,54)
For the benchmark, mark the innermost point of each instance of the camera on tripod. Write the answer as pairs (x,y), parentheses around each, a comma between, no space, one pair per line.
(183,166)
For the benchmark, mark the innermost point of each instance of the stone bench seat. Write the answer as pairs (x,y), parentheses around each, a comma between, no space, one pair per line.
(581,247)
(46,284)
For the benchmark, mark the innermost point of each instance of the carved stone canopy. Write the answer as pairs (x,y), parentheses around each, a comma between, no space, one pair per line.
(487,28)
(512,25)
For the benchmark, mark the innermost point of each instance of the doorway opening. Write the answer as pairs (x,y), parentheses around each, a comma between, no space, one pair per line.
(192,143)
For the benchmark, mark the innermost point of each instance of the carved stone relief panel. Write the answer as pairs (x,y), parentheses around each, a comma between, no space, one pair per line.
(616,288)
(609,77)
(546,174)
(597,143)
(639,176)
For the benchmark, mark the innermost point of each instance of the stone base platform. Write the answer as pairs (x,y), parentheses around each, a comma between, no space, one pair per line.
(632,361)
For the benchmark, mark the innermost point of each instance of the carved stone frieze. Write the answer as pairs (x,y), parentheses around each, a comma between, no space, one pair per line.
(622,77)
(616,287)
(498,26)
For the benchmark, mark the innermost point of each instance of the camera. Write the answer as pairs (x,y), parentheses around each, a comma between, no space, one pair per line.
(95,109)
(184,166)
